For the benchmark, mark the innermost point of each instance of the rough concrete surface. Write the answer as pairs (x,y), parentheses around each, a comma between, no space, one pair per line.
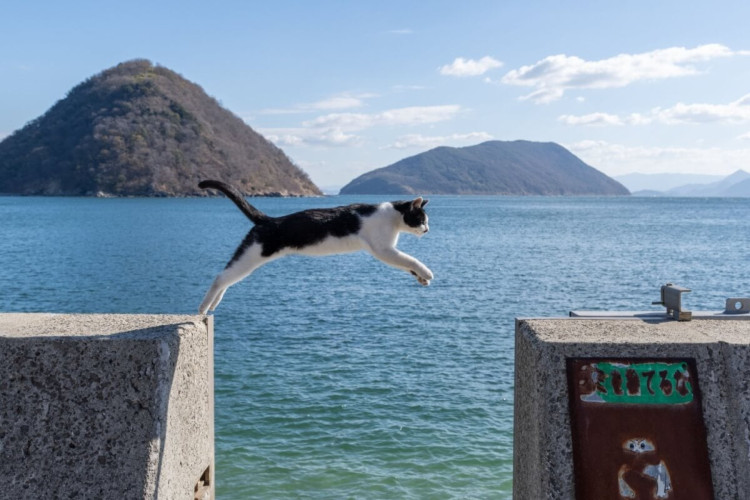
(105,406)
(543,448)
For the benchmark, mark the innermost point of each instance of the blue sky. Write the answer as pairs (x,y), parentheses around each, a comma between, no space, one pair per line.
(346,87)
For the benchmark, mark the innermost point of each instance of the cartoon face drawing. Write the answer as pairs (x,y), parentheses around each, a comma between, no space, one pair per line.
(637,459)
(638,445)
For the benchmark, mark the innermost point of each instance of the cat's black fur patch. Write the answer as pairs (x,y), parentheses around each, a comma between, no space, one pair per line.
(303,229)
(364,210)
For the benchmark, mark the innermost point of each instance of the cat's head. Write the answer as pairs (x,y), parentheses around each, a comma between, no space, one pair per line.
(414,216)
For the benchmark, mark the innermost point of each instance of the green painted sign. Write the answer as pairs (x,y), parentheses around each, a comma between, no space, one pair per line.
(651,383)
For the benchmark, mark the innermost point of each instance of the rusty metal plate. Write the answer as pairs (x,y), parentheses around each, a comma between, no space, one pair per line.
(638,430)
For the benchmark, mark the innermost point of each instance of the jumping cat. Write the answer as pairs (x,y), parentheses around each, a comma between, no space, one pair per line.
(325,231)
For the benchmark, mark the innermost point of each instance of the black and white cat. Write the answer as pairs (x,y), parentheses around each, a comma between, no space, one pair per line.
(326,231)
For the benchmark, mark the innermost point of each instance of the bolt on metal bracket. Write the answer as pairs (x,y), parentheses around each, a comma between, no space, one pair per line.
(737,306)
(671,298)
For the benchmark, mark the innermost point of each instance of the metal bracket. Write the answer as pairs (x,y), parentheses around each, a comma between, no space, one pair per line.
(737,306)
(671,298)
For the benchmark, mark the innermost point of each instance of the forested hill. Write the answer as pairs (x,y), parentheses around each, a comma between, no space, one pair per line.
(143,130)
(494,167)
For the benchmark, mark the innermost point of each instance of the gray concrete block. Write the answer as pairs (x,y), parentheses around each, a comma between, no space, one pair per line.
(543,448)
(105,406)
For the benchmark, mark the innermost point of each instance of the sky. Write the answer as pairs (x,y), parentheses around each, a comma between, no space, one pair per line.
(344,87)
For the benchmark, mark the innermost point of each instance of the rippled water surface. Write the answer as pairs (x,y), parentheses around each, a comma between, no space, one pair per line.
(340,377)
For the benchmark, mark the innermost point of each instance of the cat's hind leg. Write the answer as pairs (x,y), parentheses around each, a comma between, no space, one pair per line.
(217,299)
(211,295)
(234,272)
(215,293)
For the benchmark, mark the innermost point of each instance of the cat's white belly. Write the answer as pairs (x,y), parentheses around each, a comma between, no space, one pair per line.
(332,245)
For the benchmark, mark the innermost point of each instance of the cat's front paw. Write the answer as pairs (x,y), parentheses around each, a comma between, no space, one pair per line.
(421,279)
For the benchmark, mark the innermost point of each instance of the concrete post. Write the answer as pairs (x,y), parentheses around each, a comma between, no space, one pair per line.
(106,406)
(543,444)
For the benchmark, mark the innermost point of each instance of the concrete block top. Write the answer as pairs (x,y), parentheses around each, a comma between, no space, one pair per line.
(27,325)
(637,331)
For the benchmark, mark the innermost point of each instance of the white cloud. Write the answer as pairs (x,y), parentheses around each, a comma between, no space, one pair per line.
(424,142)
(339,129)
(414,115)
(745,136)
(734,112)
(294,137)
(553,75)
(638,119)
(337,102)
(470,67)
(591,120)
(605,119)
(618,159)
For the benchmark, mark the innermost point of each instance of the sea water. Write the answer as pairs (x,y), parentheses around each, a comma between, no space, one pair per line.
(340,377)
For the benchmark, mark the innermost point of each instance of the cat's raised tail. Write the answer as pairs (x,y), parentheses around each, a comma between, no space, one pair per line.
(252,213)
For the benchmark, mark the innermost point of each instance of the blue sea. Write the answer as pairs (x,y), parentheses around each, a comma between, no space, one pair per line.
(340,377)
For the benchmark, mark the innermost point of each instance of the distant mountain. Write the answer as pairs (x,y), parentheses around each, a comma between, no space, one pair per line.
(738,190)
(494,167)
(143,130)
(662,182)
(728,186)
(736,185)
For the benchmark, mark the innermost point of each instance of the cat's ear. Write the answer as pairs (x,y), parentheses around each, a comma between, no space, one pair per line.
(417,203)
(425,202)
